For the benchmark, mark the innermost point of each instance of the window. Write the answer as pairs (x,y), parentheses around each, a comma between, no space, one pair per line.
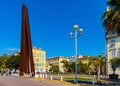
(41,69)
(112,46)
(118,53)
(112,41)
(37,69)
(113,53)
(114,32)
(37,59)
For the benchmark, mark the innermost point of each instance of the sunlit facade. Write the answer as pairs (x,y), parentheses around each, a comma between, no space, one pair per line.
(39,60)
(85,59)
(73,58)
(113,49)
(56,60)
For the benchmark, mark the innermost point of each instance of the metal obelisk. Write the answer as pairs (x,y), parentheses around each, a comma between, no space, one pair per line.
(26,56)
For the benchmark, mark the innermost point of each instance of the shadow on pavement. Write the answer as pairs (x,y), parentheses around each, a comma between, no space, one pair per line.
(107,82)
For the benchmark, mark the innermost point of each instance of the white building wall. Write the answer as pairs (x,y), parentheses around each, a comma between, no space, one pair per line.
(113,50)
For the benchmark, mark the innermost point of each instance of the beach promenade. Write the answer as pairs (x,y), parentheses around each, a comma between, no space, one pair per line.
(20,81)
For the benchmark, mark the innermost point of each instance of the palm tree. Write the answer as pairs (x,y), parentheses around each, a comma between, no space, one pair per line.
(112,17)
(3,60)
(54,69)
(13,62)
(103,66)
(115,63)
(86,68)
(97,62)
(65,65)
(80,66)
(71,67)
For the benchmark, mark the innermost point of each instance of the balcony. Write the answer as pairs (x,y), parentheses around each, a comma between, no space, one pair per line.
(112,34)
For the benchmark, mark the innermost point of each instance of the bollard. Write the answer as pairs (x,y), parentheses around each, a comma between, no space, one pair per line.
(46,76)
(40,76)
(43,76)
(61,78)
(51,77)
(36,76)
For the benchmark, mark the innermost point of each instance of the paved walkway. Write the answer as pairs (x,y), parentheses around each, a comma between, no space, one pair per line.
(19,81)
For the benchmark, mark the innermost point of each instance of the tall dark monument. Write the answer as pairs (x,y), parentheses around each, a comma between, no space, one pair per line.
(26,56)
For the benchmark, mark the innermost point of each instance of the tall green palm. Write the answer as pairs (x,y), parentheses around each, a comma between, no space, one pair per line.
(71,67)
(80,66)
(13,62)
(112,17)
(103,66)
(54,69)
(115,63)
(65,65)
(86,68)
(3,60)
(97,63)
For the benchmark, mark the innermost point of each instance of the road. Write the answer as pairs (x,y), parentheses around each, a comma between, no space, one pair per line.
(19,81)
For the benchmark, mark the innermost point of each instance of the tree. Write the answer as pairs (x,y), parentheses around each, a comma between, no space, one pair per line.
(103,66)
(65,65)
(13,62)
(115,63)
(86,68)
(71,67)
(0,64)
(97,62)
(80,67)
(3,60)
(112,17)
(54,69)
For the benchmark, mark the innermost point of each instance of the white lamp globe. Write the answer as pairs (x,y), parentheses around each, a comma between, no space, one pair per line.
(76,27)
(81,30)
(71,34)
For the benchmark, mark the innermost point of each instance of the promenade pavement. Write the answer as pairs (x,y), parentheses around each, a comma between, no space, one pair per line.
(20,81)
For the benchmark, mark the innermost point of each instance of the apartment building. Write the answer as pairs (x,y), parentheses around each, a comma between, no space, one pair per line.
(39,57)
(73,58)
(112,49)
(85,59)
(56,60)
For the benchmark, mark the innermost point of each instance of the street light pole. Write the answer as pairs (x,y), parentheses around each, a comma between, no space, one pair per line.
(76,55)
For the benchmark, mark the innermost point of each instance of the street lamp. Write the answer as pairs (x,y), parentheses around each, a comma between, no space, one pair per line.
(76,35)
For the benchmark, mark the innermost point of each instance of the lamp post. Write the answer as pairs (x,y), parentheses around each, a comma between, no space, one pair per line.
(76,35)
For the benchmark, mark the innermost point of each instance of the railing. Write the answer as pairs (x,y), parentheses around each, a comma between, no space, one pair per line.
(67,76)
(111,35)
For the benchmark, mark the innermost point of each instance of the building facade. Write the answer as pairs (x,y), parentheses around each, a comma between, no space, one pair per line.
(73,58)
(56,60)
(39,57)
(113,49)
(85,59)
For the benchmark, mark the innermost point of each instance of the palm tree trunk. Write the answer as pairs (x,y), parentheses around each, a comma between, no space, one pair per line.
(113,71)
(98,72)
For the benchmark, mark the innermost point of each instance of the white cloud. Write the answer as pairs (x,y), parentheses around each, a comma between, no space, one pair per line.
(12,49)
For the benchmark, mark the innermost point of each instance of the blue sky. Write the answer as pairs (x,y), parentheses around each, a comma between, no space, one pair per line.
(51,21)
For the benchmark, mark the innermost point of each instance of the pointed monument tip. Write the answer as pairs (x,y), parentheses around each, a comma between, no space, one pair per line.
(24,6)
